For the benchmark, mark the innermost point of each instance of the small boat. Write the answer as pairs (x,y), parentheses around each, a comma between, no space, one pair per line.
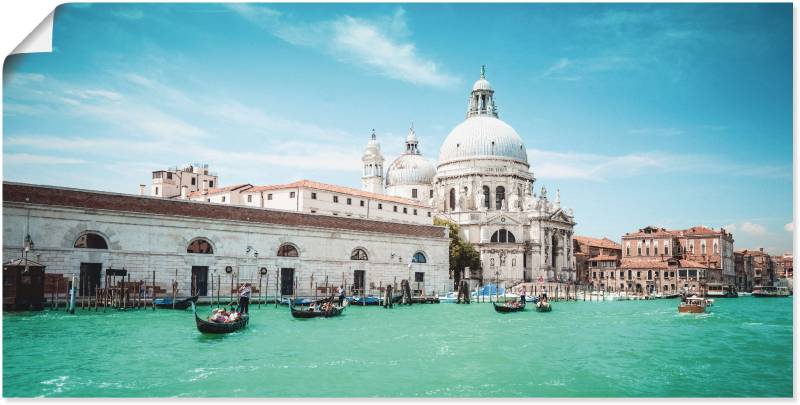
(205,326)
(670,296)
(166,303)
(770,292)
(693,305)
(315,313)
(361,300)
(506,307)
(303,301)
(745,294)
(543,306)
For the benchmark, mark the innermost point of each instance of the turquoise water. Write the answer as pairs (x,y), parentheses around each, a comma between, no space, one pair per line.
(743,347)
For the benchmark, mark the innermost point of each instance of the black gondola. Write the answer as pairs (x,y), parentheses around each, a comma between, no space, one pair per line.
(217,328)
(504,309)
(166,303)
(305,314)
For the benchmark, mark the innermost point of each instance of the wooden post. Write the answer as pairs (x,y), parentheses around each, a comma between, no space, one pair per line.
(231,296)
(219,288)
(277,285)
(174,288)
(153,298)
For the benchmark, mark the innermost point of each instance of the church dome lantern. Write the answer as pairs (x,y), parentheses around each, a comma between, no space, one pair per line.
(483,134)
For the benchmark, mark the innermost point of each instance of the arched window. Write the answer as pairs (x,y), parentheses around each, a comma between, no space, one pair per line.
(90,240)
(452,198)
(359,254)
(200,245)
(716,247)
(499,196)
(703,247)
(419,257)
(288,250)
(503,236)
(487,200)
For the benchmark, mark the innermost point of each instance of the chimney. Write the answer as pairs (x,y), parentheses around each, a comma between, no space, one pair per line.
(142,189)
(184,192)
(761,249)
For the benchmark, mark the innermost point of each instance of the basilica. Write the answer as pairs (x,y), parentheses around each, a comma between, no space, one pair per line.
(483,182)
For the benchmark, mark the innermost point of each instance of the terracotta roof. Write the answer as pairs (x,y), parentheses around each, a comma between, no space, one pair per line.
(658,263)
(640,263)
(604,243)
(98,200)
(212,191)
(338,189)
(649,231)
(753,252)
(604,257)
(697,230)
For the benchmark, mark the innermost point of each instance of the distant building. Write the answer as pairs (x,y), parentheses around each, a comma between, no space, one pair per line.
(593,255)
(714,248)
(224,195)
(743,266)
(660,260)
(313,197)
(763,267)
(188,179)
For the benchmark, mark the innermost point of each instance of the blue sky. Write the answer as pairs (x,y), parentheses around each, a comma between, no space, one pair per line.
(671,114)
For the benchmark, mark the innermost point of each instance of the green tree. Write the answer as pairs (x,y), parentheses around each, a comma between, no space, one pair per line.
(462,253)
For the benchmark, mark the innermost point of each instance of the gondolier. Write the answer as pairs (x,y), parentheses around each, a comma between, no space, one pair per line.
(341,295)
(244,298)
(522,295)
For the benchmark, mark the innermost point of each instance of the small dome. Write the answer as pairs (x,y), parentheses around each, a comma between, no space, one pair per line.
(481,84)
(483,136)
(409,169)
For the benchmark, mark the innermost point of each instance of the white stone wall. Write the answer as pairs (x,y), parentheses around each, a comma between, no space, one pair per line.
(381,210)
(143,244)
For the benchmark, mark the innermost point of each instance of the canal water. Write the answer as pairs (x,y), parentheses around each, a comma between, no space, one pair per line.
(742,348)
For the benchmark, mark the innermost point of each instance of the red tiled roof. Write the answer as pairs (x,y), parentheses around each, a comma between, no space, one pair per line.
(212,191)
(658,263)
(604,257)
(696,231)
(604,243)
(653,232)
(338,189)
(98,200)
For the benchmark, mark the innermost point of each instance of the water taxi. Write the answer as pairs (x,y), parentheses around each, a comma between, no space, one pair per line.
(770,292)
(718,290)
(693,305)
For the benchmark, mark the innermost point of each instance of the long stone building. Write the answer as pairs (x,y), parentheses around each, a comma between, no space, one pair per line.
(84,233)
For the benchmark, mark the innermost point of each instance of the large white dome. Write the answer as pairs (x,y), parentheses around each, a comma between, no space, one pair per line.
(483,137)
(410,169)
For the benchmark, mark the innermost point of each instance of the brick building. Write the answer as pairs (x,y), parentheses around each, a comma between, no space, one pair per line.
(763,267)
(593,254)
(743,266)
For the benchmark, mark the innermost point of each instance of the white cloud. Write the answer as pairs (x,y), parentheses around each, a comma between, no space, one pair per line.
(597,167)
(789,227)
(587,166)
(753,229)
(35,159)
(377,45)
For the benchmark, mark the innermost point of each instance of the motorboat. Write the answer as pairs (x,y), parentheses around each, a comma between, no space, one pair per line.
(692,305)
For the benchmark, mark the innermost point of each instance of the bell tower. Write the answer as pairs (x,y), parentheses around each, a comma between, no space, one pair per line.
(372,176)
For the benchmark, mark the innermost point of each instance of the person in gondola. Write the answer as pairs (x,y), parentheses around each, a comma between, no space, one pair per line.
(244,298)
(522,295)
(341,295)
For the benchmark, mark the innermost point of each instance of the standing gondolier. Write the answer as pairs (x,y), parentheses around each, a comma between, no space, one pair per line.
(341,295)
(244,298)
(522,295)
